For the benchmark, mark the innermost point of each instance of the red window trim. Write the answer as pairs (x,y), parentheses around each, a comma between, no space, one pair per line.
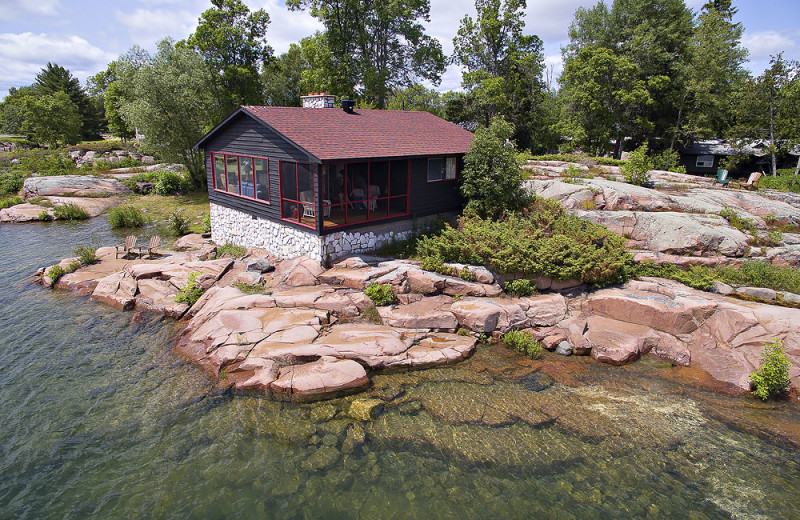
(238,163)
(444,168)
(366,201)
(281,198)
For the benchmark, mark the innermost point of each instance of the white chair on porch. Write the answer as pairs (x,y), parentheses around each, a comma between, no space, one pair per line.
(374,193)
(309,209)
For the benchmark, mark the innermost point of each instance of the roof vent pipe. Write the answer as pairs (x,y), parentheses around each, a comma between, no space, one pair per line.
(348,105)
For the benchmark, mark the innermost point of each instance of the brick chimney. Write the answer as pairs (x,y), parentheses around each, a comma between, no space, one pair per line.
(318,100)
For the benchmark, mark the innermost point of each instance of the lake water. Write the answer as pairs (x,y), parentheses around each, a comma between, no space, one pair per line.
(101,419)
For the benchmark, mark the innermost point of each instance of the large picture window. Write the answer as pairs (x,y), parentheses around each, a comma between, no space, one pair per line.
(364,191)
(298,197)
(241,175)
(441,169)
(705,161)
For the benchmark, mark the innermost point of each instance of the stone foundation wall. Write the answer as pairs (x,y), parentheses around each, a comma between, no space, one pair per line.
(284,241)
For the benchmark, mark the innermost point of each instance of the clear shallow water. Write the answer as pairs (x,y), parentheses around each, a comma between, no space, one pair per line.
(101,419)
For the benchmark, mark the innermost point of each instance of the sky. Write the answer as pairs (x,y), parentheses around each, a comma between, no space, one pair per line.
(84,36)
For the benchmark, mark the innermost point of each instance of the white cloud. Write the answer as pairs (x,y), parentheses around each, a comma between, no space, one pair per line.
(763,44)
(24,54)
(147,26)
(286,27)
(13,9)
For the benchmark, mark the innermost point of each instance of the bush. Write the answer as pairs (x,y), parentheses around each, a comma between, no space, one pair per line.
(523,343)
(744,225)
(251,288)
(125,217)
(12,201)
(72,267)
(697,277)
(637,169)
(491,179)
(542,240)
(70,212)
(192,292)
(206,224)
(668,160)
(177,224)
(434,264)
(44,216)
(576,158)
(54,273)
(773,377)
(11,182)
(169,183)
(380,294)
(786,180)
(86,254)
(231,250)
(520,287)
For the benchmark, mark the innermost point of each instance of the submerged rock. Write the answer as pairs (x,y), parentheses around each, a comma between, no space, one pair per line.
(365,409)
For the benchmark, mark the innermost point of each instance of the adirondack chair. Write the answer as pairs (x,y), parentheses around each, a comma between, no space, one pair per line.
(752,181)
(722,177)
(152,247)
(127,247)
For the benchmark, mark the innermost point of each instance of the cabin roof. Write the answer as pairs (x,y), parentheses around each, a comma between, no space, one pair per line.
(332,134)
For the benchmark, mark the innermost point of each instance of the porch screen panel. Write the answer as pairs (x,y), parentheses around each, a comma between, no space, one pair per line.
(232,169)
(219,172)
(298,197)
(261,172)
(246,176)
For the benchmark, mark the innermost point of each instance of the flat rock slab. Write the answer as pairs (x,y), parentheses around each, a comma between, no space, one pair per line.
(72,186)
(320,378)
(94,206)
(24,213)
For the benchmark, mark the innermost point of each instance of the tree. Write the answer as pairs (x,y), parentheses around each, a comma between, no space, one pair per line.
(767,109)
(232,42)
(605,101)
(491,180)
(714,74)
(12,115)
(51,119)
(55,78)
(174,105)
(417,97)
(502,67)
(373,48)
(282,78)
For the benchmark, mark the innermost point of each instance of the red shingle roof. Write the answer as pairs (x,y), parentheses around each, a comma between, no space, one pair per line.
(332,133)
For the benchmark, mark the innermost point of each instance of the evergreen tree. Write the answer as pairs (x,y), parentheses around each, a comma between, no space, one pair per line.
(55,78)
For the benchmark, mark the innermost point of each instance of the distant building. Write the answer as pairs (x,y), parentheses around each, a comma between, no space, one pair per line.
(705,157)
(326,182)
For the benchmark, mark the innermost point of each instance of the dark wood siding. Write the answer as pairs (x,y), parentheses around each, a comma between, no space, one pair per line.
(430,198)
(245,136)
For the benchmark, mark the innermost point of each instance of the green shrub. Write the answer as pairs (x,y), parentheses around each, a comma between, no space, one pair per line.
(11,201)
(72,267)
(11,182)
(668,160)
(571,157)
(637,169)
(54,273)
(523,343)
(44,162)
(86,254)
(125,217)
(231,250)
(206,224)
(467,275)
(744,225)
(177,224)
(169,183)
(520,287)
(786,180)
(541,240)
(70,212)
(44,216)
(697,277)
(773,377)
(491,180)
(380,294)
(463,332)
(573,172)
(192,292)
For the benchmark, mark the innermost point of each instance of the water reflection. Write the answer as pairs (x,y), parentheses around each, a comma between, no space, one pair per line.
(103,420)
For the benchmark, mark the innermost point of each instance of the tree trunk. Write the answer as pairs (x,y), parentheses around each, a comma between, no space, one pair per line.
(618,149)
(772,129)
(797,170)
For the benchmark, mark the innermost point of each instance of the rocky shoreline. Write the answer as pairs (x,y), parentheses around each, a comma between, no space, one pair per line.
(313,334)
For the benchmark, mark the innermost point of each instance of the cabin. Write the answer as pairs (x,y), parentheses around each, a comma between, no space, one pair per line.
(327,182)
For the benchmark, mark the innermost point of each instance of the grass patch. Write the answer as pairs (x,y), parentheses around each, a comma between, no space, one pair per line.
(231,250)
(125,217)
(252,288)
(193,207)
(372,315)
(70,212)
(11,201)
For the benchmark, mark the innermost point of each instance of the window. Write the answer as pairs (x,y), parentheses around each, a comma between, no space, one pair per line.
(298,197)
(441,169)
(364,191)
(241,175)
(705,161)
